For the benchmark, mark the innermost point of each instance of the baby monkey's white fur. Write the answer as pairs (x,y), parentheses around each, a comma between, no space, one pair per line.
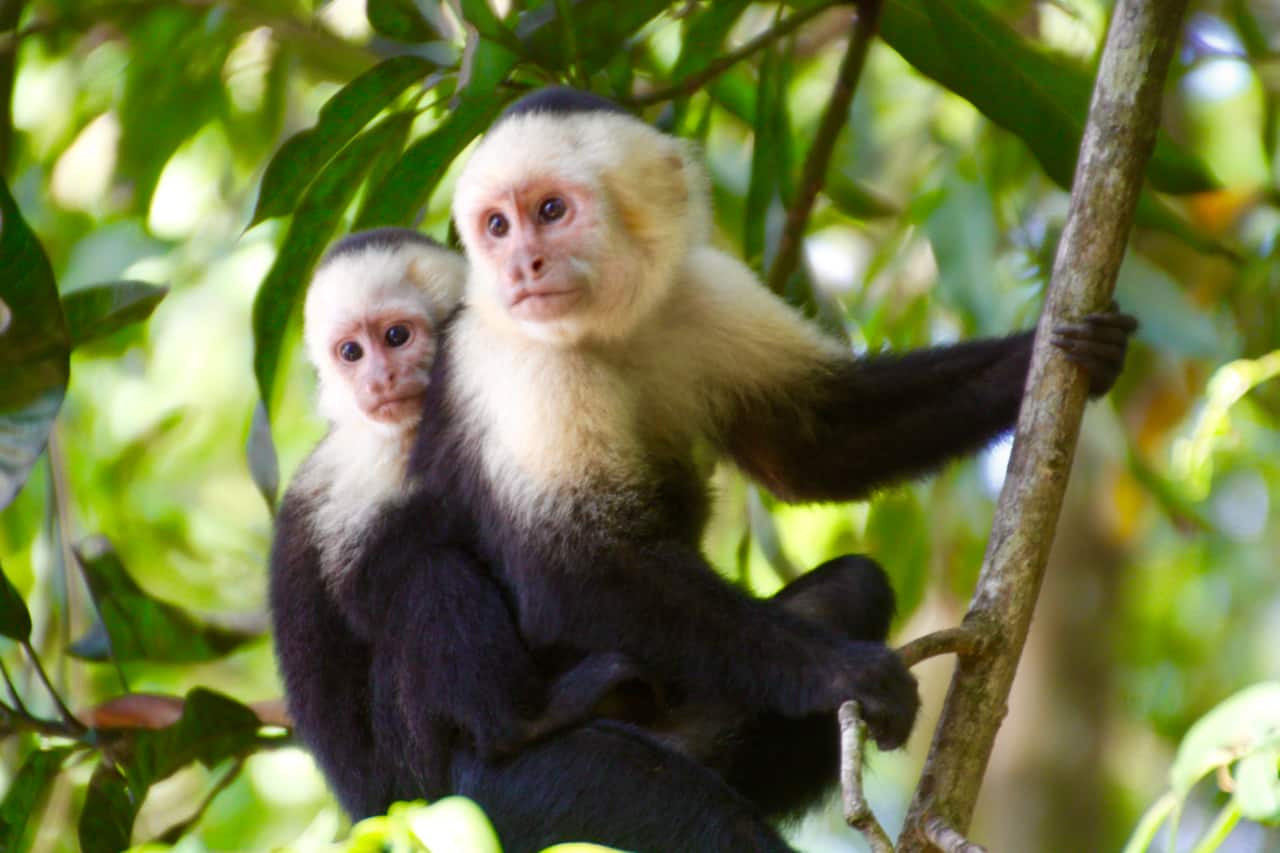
(359,465)
(673,333)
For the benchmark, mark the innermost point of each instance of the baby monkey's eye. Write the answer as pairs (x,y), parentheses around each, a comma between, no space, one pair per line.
(397,336)
(498,225)
(350,351)
(552,208)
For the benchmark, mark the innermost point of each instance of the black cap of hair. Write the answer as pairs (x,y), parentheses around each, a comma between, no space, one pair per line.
(562,100)
(377,238)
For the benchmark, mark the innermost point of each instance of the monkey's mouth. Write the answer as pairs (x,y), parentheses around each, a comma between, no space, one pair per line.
(396,408)
(544,304)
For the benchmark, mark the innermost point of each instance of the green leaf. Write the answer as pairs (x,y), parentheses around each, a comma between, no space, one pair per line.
(141,627)
(898,535)
(106,821)
(34,349)
(856,200)
(1257,780)
(313,225)
(480,15)
(26,797)
(295,165)
(103,309)
(409,184)
(212,728)
(601,28)
(1171,321)
(15,619)
(1245,723)
(704,36)
(173,86)
(1040,97)
(764,162)
(962,231)
(400,20)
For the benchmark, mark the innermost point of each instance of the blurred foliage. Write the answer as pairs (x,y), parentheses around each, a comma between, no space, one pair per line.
(172,171)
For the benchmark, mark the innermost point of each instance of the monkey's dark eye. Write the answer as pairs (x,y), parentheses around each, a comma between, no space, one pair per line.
(350,351)
(552,209)
(498,225)
(397,335)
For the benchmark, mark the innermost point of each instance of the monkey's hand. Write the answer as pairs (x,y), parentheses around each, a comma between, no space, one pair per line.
(877,679)
(1097,343)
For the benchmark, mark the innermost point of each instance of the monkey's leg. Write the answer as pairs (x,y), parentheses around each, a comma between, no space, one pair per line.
(786,765)
(607,782)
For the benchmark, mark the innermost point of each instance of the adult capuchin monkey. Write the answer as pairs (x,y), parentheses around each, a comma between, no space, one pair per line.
(372,315)
(605,354)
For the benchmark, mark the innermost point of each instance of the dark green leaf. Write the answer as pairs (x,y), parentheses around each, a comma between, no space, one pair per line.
(480,15)
(855,200)
(263,465)
(26,797)
(101,310)
(15,619)
(408,186)
(764,163)
(212,728)
(173,86)
(400,20)
(601,27)
(295,165)
(34,349)
(313,224)
(106,821)
(141,627)
(1040,97)
(383,162)
(703,37)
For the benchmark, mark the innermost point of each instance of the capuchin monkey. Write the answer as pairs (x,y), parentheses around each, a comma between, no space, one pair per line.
(605,356)
(372,315)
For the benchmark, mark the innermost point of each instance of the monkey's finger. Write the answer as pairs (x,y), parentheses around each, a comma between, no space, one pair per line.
(1114,318)
(1089,346)
(1087,332)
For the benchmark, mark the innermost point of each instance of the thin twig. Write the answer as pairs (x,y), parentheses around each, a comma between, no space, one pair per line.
(13,692)
(63,711)
(857,811)
(834,118)
(946,839)
(962,640)
(182,827)
(694,82)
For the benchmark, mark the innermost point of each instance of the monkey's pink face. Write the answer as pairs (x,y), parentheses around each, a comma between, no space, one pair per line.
(385,360)
(539,239)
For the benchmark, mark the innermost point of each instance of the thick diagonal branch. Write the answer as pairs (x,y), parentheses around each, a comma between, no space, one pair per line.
(1118,138)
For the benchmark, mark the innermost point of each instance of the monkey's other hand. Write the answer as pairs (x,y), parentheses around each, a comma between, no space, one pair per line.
(885,690)
(1098,344)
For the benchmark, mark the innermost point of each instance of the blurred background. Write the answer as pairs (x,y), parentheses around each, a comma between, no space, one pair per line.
(134,138)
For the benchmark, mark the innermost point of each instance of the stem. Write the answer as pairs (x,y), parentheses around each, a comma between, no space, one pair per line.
(13,692)
(10,13)
(961,640)
(63,711)
(834,118)
(857,811)
(694,82)
(1220,828)
(1123,118)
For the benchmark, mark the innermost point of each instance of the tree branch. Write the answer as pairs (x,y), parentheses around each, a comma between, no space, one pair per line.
(961,640)
(857,811)
(834,119)
(1123,118)
(694,82)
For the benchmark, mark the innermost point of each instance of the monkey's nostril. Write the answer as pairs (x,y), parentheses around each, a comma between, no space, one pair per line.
(536,265)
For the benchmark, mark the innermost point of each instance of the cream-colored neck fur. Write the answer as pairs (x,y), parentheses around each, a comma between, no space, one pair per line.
(350,477)
(548,417)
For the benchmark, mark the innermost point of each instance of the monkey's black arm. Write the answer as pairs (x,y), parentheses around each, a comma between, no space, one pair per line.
(879,420)
(324,666)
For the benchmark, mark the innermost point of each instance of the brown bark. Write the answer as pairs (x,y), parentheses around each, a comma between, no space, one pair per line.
(1117,142)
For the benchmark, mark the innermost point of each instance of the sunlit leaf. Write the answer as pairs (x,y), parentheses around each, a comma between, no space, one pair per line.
(302,156)
(15,619)
(101,310)
(1257,780)
(1245,723)
(454,823)
(106,820)
(1041,97)
(313,225)
(212,728)
(141,627)
(26,797)
(898,536)
(601,27)
(400,20)
(409,184)
(34,349)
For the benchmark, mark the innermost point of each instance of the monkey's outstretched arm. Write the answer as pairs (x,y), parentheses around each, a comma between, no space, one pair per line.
(879,420)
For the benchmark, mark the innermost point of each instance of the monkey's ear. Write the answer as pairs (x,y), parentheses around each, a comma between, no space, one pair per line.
(659,196)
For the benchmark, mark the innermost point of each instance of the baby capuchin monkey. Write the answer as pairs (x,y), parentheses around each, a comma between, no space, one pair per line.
(606,353)
(373,312)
